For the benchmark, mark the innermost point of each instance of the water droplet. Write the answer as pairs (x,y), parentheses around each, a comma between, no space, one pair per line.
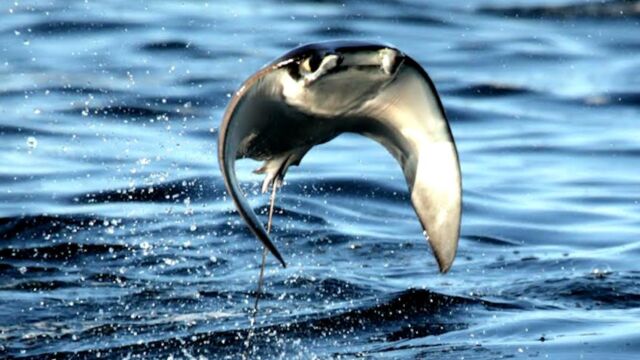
(32,142)
(169,262)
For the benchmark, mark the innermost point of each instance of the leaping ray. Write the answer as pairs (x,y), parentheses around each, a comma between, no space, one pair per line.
(318,91)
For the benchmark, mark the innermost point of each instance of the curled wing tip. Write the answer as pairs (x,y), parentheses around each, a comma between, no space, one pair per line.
(227,157)
(272,248)
(444,252)
(444,266)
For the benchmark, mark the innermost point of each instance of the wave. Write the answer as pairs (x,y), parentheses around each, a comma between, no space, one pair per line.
(184,48)
(490,90)
(23,131)
(121,111)
(305,288)
(629,98)
(332,31)
(56,27)
(615,9)
(491,240)
(107,278)
(25,226)
(430,313)
(457,114)
(168,45)
(38,285)
(57,252)
(153,108)
(196,189)
(597,290)
(66,90)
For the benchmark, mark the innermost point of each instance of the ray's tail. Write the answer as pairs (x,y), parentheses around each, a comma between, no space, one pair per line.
(261,276)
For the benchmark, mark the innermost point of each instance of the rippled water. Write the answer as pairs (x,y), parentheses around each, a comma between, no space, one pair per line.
(117,238)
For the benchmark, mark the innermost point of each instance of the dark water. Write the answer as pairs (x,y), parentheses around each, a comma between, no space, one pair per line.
(117,239)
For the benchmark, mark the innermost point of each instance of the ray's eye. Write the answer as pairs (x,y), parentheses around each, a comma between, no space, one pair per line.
(311,63)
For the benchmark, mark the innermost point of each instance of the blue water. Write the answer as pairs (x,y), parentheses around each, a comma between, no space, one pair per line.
(117,239)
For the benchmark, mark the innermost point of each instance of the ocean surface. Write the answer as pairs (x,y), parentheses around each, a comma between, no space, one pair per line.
(118,241)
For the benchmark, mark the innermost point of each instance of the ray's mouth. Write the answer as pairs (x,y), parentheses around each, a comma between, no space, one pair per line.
(385,61)
(367,67)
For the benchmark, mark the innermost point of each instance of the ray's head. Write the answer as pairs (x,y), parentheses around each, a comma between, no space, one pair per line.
(333,78)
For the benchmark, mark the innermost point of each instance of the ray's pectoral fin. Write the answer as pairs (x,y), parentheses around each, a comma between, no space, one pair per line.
(407,119)
(274,171)
(228,154)
(436,198)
